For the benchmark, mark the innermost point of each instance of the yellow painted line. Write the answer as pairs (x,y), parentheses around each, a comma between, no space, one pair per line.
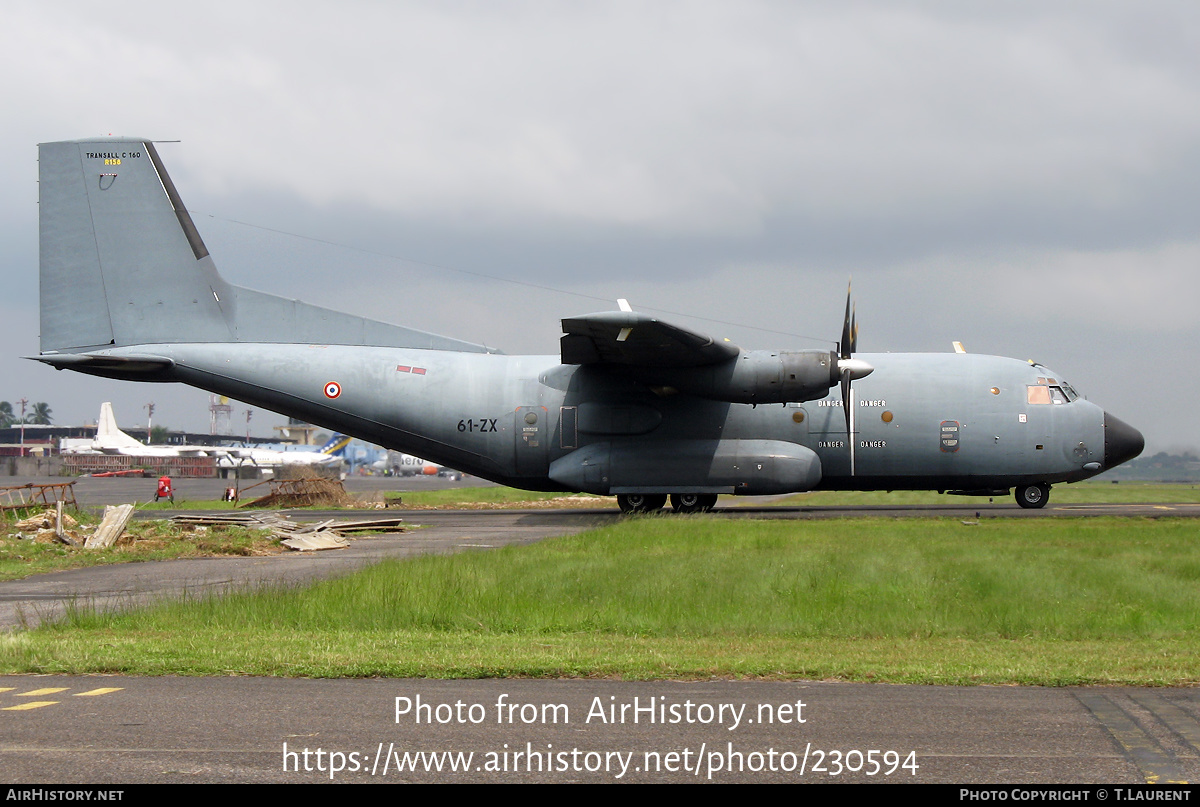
(27,706)
(101,691)
(1156,765)
(1178,720)
(46,691)
(7,689)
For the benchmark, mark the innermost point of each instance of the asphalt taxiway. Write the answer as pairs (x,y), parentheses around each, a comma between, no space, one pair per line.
(115,729)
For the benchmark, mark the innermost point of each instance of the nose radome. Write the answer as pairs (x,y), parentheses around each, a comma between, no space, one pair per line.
(1122,442)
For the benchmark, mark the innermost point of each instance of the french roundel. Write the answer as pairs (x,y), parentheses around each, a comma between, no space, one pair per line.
(333,389)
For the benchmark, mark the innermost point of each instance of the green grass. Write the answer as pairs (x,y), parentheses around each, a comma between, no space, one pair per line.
(21,559)
(932,601)
(142,540)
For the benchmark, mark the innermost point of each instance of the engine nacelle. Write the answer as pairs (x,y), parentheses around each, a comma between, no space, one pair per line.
(753,377)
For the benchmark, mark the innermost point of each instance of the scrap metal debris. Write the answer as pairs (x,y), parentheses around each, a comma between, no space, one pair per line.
(312,542)
(385,524)
(328,534)
(55,525)
(250,520)
(16,497)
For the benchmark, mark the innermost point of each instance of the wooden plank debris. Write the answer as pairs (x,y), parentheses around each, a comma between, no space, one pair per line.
(230,519)
(49,525)
(386,524)
(328,534)
(60,534)
(314,541)
(44,521)
(111,526)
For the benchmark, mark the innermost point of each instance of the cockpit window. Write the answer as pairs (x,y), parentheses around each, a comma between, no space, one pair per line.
(1050,392)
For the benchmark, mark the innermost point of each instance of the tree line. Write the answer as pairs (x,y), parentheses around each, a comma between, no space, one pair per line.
(39,414)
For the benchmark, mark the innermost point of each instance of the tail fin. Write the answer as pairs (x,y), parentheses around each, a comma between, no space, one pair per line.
(336,445)
(122,263)
(108,436)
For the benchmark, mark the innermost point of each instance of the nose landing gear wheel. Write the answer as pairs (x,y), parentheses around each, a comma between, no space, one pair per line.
(693,502)
(1033,496)
(640,502)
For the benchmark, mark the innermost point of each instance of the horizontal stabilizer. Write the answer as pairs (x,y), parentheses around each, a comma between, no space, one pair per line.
(117,365)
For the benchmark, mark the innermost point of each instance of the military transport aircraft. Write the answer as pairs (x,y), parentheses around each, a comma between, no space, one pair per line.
(634,406)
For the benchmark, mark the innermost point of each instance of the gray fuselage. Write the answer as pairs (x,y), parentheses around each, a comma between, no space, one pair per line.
(925,421)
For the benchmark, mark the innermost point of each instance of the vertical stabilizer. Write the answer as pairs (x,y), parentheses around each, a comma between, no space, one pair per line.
(121,261)
(122,264)
(108,436)
(336,445)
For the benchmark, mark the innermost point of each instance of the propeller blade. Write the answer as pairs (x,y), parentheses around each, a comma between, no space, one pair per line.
(851,368)
(844,347)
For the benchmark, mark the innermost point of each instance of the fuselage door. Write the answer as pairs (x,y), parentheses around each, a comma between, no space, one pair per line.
(568,428)
(529,430)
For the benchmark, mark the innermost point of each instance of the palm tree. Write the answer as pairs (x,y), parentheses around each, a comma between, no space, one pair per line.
(7,418)
(40,414)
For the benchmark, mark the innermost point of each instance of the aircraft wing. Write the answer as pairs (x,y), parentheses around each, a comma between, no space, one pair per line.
(632,339)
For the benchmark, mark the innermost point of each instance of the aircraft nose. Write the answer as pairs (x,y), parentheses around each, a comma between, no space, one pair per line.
(1122,442)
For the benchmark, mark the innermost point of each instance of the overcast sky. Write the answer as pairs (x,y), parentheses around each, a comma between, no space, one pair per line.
(1023,177)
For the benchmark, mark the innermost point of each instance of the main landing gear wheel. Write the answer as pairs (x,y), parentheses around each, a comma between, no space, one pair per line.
(1033,496)
(640,502)
(693,502)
